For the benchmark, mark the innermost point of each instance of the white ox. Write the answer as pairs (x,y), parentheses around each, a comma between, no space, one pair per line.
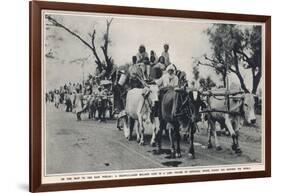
(240,107)
(140,108)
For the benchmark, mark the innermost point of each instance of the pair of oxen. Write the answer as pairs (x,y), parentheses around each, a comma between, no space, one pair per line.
(172,110)
(177,110)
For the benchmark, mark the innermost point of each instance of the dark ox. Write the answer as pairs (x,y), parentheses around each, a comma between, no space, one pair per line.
(240,107)
(180,111)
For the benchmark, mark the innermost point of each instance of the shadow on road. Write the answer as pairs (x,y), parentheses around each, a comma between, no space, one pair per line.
(172,163)
(162,151)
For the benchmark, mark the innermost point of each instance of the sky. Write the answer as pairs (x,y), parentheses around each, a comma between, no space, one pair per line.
(186,39)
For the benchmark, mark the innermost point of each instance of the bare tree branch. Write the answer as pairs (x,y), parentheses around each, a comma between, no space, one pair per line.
(92,47)
(237,72)
(211,60)
(206,64)
(246,58)
(57,24)
(106,42)
(98,61)
(108,60)
(232,70)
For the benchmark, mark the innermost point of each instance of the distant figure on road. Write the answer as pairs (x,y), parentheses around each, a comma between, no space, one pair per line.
(57,98)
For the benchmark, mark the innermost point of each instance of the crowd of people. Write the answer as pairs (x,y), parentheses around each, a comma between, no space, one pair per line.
(150,67)
(76,97)
(144,68)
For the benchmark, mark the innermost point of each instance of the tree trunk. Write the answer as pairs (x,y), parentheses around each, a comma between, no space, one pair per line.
(256,81)
(224,80)
(242,83)
(237,72)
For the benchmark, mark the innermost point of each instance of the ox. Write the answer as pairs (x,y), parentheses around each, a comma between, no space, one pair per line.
(140,106)
(180,110)
(240,107)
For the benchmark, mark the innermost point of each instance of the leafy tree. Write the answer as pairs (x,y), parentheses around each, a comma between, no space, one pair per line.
(234,47)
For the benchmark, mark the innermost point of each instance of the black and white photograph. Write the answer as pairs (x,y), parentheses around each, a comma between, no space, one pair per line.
(128,96)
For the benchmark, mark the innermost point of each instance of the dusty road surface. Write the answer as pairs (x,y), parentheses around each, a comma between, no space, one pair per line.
(89,146)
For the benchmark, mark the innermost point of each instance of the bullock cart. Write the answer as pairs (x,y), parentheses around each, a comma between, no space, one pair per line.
(227,108)
(222,95)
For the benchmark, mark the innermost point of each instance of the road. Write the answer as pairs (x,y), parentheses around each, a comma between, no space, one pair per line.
(89,146)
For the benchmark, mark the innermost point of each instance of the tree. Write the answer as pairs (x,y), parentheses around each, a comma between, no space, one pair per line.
(251,54)
(107,65)
(219,68)
(234,47)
